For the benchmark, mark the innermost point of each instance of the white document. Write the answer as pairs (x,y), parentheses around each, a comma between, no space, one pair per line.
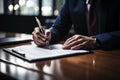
(33,52)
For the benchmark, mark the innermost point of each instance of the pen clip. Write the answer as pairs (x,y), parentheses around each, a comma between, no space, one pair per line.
(19,53)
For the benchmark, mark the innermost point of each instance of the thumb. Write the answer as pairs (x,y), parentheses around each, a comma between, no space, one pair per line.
(48,34)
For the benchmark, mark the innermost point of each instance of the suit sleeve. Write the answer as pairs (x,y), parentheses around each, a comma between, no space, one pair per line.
(62,24)
(109,41)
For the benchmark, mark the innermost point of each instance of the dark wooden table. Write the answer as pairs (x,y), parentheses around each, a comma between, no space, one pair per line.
(100,65)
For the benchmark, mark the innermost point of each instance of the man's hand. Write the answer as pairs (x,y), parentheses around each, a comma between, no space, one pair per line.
(39,38)
(79,42)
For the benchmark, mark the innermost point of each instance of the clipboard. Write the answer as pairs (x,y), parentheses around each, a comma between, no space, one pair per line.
(34,53)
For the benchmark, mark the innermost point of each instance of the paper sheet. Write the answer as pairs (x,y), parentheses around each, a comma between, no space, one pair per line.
(33,52)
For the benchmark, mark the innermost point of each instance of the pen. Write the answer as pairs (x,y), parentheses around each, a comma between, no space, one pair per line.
(42,30)
(22,54)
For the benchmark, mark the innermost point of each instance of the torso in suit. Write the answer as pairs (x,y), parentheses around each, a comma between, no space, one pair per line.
(73,13)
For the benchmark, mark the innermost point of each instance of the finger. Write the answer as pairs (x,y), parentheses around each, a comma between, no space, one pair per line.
(41,43)
(38,35)
(68,41)
(74,43)
(35,41)
(41,38)
(48,34)
(33,34)
(74,38)
(38,42)
(37,32)
(36,29)
(79,46)
(38,39)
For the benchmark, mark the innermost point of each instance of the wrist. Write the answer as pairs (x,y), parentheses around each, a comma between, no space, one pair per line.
(96,43)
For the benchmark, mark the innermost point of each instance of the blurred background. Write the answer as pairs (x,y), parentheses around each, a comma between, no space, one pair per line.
(19,15)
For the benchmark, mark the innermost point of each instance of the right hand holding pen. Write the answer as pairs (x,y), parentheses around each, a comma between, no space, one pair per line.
(39,38)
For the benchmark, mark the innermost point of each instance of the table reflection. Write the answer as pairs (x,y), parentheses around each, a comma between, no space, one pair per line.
(20,69)
(69,68)
(52,67)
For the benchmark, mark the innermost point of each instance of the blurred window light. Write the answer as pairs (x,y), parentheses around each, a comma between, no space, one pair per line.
(22,2)
(56,12)
(46,11)
(47,7)
(30,3)
(36,8)
(29,7)
(16,7)
(10,7)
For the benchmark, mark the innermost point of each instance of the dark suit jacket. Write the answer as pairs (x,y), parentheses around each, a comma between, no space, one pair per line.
(73,13)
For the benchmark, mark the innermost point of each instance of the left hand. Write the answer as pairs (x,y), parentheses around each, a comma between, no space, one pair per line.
(79,42)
